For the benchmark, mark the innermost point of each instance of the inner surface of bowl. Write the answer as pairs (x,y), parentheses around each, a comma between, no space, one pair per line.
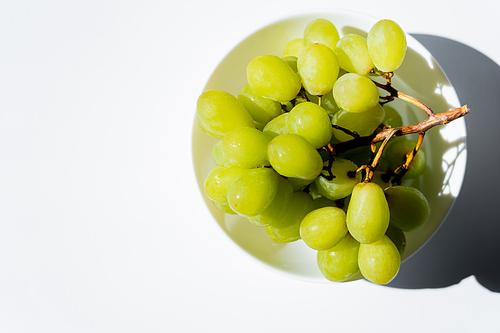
(419,76)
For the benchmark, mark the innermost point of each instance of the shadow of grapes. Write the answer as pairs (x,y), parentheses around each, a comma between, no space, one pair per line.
(467,243)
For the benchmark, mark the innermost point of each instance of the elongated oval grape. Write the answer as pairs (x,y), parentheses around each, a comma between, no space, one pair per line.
(311,122)
(340,262)
(318,68)
(379,261)
(353,56)
(408,206)
(293,47)
(260,108)
(269,76)
(219,179)
(345,179)
(355,93)
(363,123)
(387,45)
(293,156)
(395,155)
(368,213)
(321,31)
(278,207)
(252,192)
(277,126)
(287,229)
(247,147)
(323,228)
(219,112)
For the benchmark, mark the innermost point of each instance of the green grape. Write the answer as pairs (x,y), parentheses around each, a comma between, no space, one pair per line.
(278,207)
(395,154)
(311,122)
(252,192)
(269,76)
(387,45)
(277,126)
(293,156)
(219,179)
(218,154)
(363,123)
(340,263)
(408,206)
(353,56)
(292,62)
(392,117)
(293,47)
(273,236)
(321,31)
(368,213)
(247,147)
(260,108)
(345,179)
(355,93)
(224,207)
(321,202)
(219,112)
(379,261)
(323,228)
(318,68)
(398,237)
(287,229)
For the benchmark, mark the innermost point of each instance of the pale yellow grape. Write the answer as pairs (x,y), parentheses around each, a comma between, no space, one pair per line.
(379,262)
(260,108)
(387,45)
(323,228)
(219,112)
(352,54)
(219,179)
(269,76)
(321,31)
(318,68)
(293,47)
(355,93)
(310,121)
(218,153)
(247,147)
(368,213)
(340,263)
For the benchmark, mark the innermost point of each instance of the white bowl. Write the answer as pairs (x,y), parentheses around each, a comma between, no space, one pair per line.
(419,76)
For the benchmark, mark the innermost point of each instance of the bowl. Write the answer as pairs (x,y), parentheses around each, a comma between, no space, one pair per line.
(419,76)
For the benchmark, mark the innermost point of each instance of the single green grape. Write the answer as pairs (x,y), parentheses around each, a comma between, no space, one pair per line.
(395,154)
(323,228)
(260,108)
(269,76)
(340,263)
(293,156)
(219,179)
(318,68)
(311,122)
(379,262)
(252,192)
(293,47)
(353,56)
(387,45)
(398,237)
(278,207)
(277,126)
(345,178)
(355,93)
(363,123)
(408,206)
(368,213)
(219,112)
(246,147)
(321,31)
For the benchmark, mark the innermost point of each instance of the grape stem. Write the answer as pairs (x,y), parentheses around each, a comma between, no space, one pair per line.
(394,93)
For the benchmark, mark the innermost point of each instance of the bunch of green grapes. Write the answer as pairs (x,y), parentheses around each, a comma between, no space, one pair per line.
(272,165)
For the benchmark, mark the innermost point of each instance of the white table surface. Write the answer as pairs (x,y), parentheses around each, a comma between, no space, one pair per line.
(103,228)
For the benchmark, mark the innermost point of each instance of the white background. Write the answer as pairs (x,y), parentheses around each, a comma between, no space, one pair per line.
(102,225)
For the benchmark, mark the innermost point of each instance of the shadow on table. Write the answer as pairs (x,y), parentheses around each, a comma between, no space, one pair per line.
(468,242)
